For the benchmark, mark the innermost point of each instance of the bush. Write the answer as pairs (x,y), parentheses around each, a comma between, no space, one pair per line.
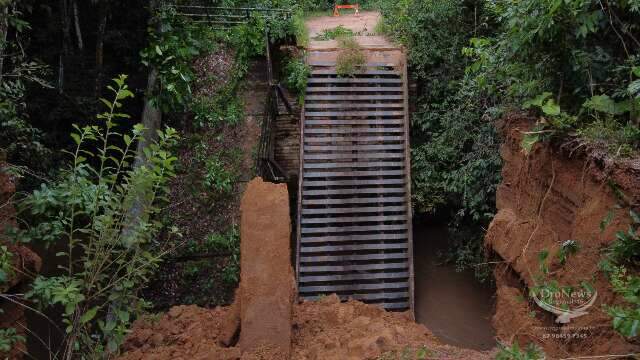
(624,254)
(454,150)
(22,143)
(297,76)
(101,212)
(217,177)
(351,58)
(626,317)
(229,243)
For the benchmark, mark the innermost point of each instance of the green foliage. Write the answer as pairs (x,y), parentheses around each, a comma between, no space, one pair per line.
(23,143)
(219,171)
(225,244)
(625,318)
(351,58)
(569,247)
(228,243)
(9,338)
(571,62)
(467,252)
(102,212)
(171,51)
(335,33)
(581,51)
(6,265)
(223,108)
(514,352)
(621,139)
(300,30)
(624,253)
(454,155)
(176,42)
(217,177)
(626,248)
(297,75)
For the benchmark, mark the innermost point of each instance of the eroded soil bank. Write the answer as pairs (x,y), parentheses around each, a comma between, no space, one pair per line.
(546,198)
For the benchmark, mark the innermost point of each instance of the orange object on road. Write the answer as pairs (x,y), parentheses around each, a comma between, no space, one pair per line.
(338,7)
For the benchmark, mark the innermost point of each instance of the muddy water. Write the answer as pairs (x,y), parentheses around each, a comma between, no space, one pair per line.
(453,305)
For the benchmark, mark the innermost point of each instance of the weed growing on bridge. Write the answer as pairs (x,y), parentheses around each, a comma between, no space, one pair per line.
(335,33)
(351,58)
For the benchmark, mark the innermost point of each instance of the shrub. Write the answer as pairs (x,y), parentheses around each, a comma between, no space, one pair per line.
(300,30)
(621,255)
(625,318)
(626,248)
(351,58)
(217,177)
(109,248)
(229,243)
(297,75)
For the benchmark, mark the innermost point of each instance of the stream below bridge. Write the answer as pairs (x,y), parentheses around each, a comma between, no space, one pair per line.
(455,306)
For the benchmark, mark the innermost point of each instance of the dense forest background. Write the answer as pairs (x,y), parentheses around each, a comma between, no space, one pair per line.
(97,197)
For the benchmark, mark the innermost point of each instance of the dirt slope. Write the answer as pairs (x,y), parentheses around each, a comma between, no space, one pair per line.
(326,329)
(545,199)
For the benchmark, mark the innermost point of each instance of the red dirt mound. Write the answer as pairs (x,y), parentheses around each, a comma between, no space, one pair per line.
(326,329)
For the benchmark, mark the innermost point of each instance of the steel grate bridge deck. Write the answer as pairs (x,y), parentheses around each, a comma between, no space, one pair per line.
(354,212)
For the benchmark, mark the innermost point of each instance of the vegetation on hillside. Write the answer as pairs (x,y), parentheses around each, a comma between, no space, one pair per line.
(572,62)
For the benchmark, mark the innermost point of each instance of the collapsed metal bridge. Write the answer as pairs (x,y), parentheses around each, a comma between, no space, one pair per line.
(354,215)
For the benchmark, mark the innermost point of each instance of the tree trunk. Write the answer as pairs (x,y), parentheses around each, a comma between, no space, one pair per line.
(66,37)
(102,26)
(4,26)
(151,119)
(76,22)
(151,115)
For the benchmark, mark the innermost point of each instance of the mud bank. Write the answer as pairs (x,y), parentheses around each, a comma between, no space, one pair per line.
(546,198)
